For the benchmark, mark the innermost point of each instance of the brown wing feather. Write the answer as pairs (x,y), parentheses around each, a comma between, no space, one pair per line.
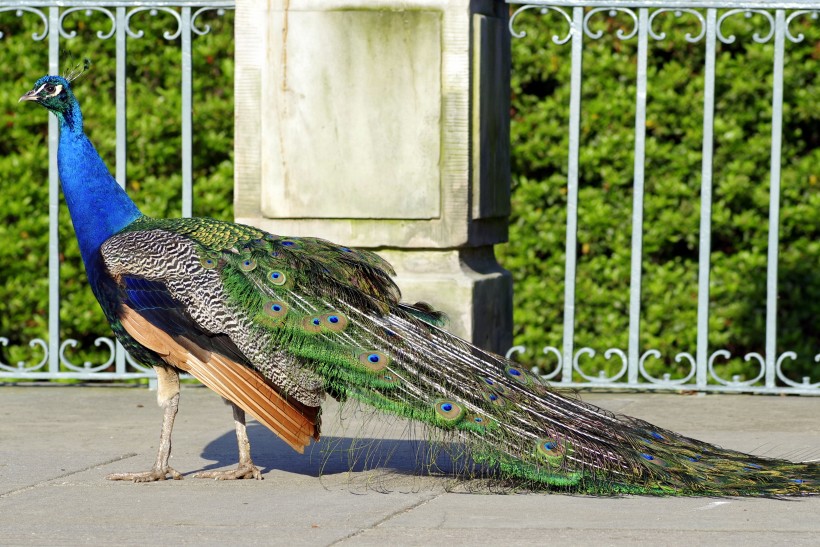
(293,422)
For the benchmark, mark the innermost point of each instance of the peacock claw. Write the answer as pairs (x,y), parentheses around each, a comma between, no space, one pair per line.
(243,471)
(147,476)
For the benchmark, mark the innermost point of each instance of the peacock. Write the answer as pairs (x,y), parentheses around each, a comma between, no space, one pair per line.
(275,324)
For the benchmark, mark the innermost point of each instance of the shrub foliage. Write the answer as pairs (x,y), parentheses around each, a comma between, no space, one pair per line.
(674,133)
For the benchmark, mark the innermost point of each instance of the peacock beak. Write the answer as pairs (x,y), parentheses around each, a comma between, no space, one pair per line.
(30,96)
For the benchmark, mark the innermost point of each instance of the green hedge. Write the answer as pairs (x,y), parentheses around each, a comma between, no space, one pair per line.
(536,251)
(154,152)
(535,254)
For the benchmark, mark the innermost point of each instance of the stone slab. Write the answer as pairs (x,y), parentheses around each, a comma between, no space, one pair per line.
(57,444)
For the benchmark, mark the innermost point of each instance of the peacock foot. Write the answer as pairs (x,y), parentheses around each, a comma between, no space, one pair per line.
(147,476)
(243,471)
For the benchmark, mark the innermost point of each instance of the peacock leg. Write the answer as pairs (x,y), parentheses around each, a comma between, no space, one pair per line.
(246,469)
(168,399)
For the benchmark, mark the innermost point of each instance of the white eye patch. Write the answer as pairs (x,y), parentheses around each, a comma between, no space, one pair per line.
(57,90)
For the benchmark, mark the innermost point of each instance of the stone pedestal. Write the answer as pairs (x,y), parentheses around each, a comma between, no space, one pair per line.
(384,125)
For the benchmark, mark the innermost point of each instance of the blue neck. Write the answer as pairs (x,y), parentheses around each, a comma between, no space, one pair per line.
(99,207)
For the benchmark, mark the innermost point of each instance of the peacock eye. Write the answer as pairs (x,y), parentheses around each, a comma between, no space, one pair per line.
(50,89)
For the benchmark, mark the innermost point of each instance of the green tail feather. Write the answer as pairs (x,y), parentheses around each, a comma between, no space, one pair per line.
(336,312)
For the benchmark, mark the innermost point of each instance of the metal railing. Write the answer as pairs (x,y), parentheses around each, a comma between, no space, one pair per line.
(54,363)
(710,16)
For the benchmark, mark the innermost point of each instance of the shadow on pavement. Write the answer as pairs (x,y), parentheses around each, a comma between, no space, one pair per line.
(336,454)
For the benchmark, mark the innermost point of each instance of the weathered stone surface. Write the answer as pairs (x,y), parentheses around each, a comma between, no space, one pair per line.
(467,284)
(381,124)
(357,115)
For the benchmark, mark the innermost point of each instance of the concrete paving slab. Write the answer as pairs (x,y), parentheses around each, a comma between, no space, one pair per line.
(58,443)
(538,519)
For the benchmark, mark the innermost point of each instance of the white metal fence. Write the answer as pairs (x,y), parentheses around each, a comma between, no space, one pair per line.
(776,19)
(710,16)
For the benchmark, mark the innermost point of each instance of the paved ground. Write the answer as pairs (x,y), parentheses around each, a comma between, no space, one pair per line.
(57,443)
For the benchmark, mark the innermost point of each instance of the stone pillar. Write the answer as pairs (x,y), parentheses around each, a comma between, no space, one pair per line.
(384,124)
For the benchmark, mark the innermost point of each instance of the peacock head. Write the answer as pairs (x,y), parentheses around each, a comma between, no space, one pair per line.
(54,93)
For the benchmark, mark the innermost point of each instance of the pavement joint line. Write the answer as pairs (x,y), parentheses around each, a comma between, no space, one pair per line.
(388,517)
(64,475)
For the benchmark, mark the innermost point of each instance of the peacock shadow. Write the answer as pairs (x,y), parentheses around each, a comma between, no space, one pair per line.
(338,454)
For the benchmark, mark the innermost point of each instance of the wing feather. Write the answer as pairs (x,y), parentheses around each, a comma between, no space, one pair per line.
(237,383)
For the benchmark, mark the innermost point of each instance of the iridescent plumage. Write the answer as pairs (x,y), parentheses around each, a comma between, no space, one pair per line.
(275,323)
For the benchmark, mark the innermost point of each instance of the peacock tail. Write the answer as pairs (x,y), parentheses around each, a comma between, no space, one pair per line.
(314,318)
